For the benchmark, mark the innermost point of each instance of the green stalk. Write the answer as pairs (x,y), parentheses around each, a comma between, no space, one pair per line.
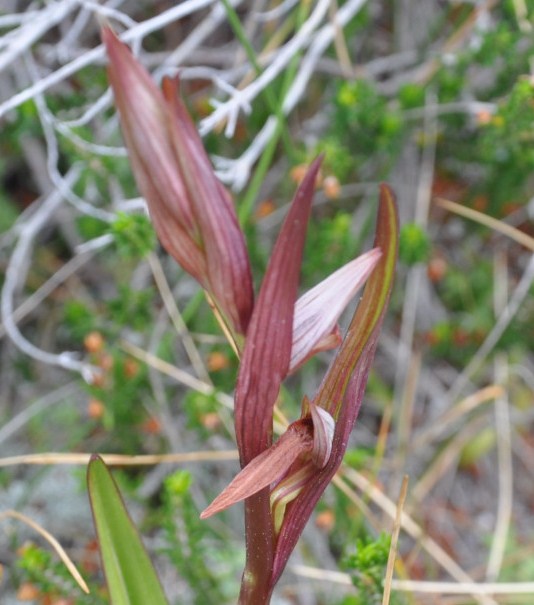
(266,158)
(274,106)
(265,161)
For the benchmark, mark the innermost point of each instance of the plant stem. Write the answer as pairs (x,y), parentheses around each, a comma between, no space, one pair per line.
(256,586)
(258,177)
(268,93)
(281,127)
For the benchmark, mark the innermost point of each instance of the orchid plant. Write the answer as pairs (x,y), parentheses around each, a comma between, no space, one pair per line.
(273,335)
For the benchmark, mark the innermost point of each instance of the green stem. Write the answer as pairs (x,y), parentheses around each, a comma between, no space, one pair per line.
(281,127)
(245,207)
(274,106)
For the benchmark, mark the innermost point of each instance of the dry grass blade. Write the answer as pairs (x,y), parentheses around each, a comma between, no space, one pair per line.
(436,588)
(192,382)
(119,459)
(446,457)
(179,375)
(176,318)
(503,431)
(505,475)
(461,409)
(394,541)
(52,541)
(493,223)
(467,588)
(340,482)
(414,530)
(340,44)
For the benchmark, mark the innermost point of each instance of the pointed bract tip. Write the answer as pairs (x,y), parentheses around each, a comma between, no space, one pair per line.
(104,23)
(107,33)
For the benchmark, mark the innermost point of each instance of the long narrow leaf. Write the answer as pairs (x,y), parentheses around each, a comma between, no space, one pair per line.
(130,576)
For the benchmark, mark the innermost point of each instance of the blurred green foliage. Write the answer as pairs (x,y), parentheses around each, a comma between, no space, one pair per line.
(133,234)
(367,566)
(198,409)
(200,556)
(414,244)
(518,564)
(8,212)
(364,125)
(330,244)
(51,579)
(122,388)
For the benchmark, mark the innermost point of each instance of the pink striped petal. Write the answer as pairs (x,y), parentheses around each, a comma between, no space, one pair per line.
(300,474)
(227,265)
(317,311)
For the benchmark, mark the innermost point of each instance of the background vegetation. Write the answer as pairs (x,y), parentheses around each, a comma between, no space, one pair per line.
(435,97)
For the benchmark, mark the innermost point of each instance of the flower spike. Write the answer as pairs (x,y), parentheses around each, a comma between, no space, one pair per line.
(282,482)
(264,365)
(196,223)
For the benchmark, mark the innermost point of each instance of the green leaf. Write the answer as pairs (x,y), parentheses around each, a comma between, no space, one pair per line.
(129,572)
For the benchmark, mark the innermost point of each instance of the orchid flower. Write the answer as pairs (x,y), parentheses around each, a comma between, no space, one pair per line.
(282,482)
(196,222)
